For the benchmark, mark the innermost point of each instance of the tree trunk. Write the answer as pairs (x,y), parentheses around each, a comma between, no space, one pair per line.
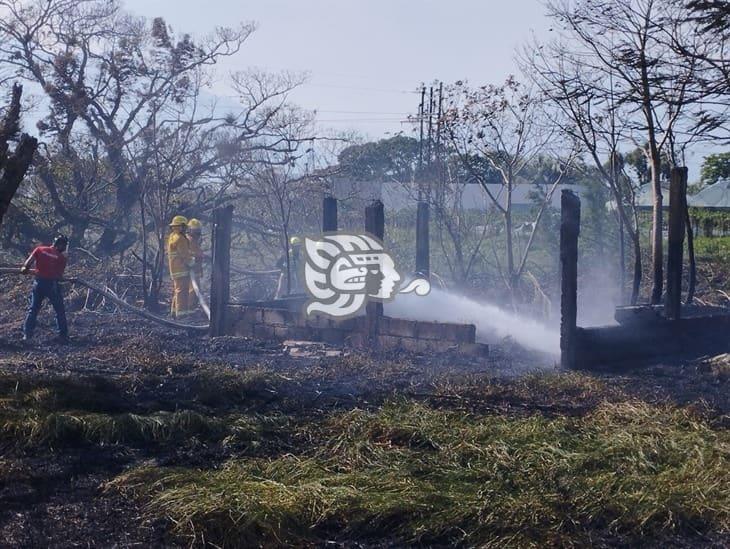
(143,219)
(636,284)
(15,165)
(510,275)
(622,259)
(691,253)
(657,251)
(14,170)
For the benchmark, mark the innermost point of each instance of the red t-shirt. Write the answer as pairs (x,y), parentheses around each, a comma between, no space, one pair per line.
(49,262)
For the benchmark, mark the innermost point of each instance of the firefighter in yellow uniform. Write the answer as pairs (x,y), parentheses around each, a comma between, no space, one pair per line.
(181,261)
(194,234)
(295,253)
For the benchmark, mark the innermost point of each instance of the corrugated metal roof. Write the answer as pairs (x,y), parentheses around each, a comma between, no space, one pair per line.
(715,196)
(645,196)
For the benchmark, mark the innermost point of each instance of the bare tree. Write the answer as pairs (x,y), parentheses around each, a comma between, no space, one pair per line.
(506,128)
(188,157)
(589,111)
(624,40)
(283,185)
(106,74)
(460,231)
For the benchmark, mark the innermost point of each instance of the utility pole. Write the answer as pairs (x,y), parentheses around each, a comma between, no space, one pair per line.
(430,125)
(420,137)
(439,167)
(420,143)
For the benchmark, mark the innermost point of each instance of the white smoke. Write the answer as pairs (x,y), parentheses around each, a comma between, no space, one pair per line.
(492,323)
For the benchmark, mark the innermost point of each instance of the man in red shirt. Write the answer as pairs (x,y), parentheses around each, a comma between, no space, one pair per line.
(50,263)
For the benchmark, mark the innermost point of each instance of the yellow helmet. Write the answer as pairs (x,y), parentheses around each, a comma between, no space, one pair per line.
(295,241)
(179,221)
(194,225)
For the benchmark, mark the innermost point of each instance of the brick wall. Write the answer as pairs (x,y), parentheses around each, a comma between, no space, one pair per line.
(394,333)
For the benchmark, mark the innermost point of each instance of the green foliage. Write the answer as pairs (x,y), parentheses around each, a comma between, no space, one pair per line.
(638,161)
(387,159)
(714,168)
(713,249)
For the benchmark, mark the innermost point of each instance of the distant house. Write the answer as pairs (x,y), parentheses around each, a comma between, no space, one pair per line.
(714,197)
(645,197)
(711,200)
(707,206)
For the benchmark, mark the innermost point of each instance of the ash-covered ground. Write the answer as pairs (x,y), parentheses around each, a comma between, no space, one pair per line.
(127,394)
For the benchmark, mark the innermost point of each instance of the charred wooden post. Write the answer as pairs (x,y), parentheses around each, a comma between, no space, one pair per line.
(375,225)
(423,262)
(569,231)
(677,197)
(329,214)
(220,285)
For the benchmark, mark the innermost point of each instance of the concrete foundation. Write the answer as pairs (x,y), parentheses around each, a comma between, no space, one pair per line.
(647,336)
(644,333)
(285,321)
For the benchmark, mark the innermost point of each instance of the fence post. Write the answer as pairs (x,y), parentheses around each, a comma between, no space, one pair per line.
(569,232)
(329,214)
(375,225)
(423,262)
(220,285)
(675,247)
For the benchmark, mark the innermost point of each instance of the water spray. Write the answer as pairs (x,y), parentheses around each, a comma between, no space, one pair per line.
(491,321)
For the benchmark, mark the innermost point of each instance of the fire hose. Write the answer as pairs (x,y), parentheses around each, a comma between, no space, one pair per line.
(123,304)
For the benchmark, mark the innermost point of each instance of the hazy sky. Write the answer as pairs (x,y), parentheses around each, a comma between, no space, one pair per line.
(365,57)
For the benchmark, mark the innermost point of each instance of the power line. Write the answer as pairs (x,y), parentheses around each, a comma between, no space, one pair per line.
(362,112)
(400,120)
(383,90)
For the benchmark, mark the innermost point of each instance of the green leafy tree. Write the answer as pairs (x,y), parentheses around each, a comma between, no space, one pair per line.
(714,168)
(395,158)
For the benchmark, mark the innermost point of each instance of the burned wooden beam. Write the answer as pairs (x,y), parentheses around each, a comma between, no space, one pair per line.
(375,225)
(569,232)
(677,211)
(220,285)
(329,214)
(423,261)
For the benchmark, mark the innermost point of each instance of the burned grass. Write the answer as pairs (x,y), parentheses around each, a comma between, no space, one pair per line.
(235,442)
(410,474)
(62,412)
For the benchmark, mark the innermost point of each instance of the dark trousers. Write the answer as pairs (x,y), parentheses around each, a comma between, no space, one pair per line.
(44,288)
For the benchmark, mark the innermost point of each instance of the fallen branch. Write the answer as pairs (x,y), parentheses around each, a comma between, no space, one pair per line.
(120,302)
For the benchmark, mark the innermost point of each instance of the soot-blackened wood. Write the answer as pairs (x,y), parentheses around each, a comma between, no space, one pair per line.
(375,225)
(13,166)
(423,262)
(220,285)
(329,214)
(569,231)
(677,197)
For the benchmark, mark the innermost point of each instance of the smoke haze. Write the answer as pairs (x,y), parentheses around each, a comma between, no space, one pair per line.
(492,323)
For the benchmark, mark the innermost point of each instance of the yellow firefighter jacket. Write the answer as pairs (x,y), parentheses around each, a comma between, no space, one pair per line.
(196,253)
(179,255)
